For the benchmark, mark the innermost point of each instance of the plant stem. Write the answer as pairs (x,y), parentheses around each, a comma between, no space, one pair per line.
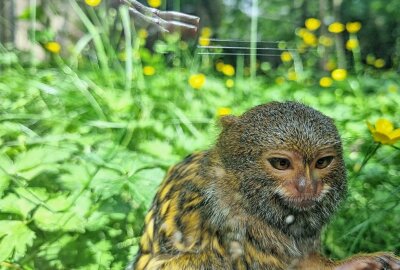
(253,38)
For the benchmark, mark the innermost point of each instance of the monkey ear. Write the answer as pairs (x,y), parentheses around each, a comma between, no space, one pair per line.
(228,120)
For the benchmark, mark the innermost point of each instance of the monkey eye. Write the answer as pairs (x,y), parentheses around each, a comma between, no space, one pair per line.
(279,163)
(323,162)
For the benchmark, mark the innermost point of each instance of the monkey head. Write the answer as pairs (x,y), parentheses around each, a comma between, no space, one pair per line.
(289,163)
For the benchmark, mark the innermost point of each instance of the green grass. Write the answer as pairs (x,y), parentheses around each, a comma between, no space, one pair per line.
(85,141)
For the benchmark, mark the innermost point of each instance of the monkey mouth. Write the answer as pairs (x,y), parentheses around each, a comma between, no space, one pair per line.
(301,203)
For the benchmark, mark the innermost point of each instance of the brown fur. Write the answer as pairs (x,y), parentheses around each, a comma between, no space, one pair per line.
(227,208)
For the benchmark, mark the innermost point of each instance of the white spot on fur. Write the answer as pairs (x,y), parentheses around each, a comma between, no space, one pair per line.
(289,219)
(177,237)
(235,249)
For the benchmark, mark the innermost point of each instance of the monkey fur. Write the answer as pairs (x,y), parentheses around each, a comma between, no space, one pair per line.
(257,200)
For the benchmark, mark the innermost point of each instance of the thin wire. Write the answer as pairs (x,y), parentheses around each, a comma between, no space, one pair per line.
(244,48)
(222,53)
(239,41)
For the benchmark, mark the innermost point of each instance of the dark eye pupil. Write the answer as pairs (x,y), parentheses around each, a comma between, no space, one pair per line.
(279,163)
(323,162)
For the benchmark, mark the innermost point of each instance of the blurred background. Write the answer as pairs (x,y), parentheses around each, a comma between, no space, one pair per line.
(96,104)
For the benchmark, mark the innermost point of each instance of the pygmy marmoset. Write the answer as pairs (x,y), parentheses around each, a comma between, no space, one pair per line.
(257,200)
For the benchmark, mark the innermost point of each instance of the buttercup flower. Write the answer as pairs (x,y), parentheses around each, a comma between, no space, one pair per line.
(286,57)
(301,31)
(336,27)
(93,3)
(292,76)
(339,74)
(280,80)
(353,27)
(206,32)
(53,47)
(312,24)
(223,111)
(230,83)
(204,41)
(330,65)
(310,39)
(352,44)
(326,41)
(142,33)
(379,63)
(196,81)
(384,132)
(392,88)
(219,66)
(154,3)
(149,70)
(228,70)
(325,82)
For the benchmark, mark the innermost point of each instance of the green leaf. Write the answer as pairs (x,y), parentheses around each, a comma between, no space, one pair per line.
(75,178)
(16,205)
(39,159)
(144,184)
(15,238)
(157,148)
(101,251)
(107,183)
(66,222)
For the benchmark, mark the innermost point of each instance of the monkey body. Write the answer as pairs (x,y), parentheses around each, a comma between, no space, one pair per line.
(257,200)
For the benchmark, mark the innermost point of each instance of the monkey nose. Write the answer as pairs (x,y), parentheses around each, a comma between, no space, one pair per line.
(301,185)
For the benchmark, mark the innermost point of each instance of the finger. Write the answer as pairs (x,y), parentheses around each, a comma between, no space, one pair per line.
(392,262)
(183,28)
(150,20)
(179,16)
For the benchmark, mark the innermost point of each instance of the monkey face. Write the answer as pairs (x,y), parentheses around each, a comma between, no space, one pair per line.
(300,181)
(288,160)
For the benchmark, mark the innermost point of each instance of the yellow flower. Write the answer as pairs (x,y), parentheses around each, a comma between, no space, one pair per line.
(379,63)
(142,33)
(93,3)
(206,32)
(325,82)
(384,132)
(122,56)
(197,80)
(280,80)
(353,27)
(312,24)
(352,44)
(223,111)
(336,27)
(301,31)
(310,39)
(149,70)
(330,65)
(286,57)
(292,76)
(339,74)
(204,41)
(228,70)
(219,66)
(370,59)
(230,83)
(154,3)
(326,41)
(53,47)
(392,88)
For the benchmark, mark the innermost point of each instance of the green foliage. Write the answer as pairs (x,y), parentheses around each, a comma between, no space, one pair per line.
(85,140)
